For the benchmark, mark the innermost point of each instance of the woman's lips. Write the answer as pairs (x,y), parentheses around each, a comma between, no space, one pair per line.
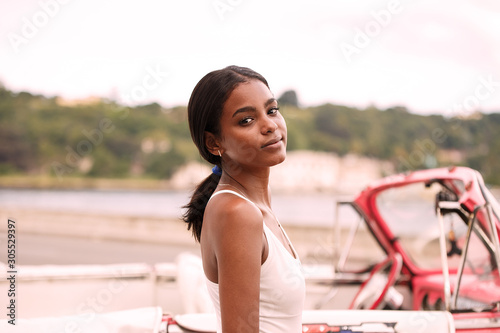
(272,143)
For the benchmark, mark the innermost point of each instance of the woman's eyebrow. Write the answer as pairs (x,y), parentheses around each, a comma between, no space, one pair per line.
(244,109)
(252,109)
(270,101)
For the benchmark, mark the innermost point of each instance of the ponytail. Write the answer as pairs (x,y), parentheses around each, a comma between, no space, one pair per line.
(196,207)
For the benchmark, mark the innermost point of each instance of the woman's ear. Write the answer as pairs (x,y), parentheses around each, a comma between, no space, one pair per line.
(212,143)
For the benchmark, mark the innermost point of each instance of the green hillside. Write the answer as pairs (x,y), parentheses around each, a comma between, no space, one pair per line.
(101,139)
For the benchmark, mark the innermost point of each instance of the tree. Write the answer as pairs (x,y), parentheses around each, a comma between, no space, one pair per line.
(289,97)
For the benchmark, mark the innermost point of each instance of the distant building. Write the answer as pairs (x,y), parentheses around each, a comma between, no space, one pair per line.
(92,100)
(326,172)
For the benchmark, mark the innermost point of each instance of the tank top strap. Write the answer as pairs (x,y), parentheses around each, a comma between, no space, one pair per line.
(233,192)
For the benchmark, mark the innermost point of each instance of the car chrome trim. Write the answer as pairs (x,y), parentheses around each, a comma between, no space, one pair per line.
(477,323)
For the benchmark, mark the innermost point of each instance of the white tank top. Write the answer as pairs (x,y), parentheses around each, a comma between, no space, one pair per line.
(282,287)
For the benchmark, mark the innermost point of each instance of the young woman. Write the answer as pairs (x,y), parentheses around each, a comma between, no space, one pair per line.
(253,273)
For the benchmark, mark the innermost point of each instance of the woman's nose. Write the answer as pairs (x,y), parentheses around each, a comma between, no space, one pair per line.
(269,126)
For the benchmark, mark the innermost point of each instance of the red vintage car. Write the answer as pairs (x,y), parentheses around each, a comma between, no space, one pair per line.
(438,229)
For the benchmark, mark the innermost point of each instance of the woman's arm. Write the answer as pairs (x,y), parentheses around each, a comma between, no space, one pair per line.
(238,248)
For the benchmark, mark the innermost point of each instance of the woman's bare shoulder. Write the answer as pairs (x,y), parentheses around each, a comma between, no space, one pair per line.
(230,216)
(229,208)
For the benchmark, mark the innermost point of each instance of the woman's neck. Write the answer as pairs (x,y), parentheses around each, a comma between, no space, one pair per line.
(255,186)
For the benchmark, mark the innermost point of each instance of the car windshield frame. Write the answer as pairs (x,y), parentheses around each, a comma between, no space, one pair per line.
(478,238)
(466,189)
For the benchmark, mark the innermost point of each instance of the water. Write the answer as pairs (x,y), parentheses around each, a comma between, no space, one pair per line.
(137,203)
(310,209)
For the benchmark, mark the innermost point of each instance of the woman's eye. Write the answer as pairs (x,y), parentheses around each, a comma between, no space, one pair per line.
(274,110)
(245,121)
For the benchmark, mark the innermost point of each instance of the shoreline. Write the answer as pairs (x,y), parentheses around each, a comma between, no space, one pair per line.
(23,182)
(81,183)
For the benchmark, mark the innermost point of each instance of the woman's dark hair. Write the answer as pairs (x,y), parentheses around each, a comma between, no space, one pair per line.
(204,114)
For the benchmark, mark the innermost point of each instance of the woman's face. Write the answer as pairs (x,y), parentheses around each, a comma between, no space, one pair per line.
(253,131)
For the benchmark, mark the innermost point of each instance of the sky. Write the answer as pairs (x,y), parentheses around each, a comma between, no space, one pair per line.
(432,57)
